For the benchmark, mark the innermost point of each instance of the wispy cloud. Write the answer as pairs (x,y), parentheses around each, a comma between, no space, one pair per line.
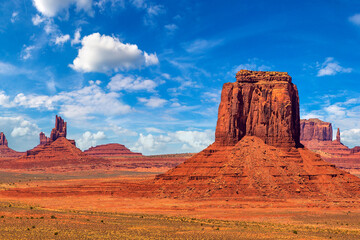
(253,64)
(331,67)
(131,83)
(153,102)
(355,19)
(201,45)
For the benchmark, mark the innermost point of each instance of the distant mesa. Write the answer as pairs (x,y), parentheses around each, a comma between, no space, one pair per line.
(257,150)
(110,150)
(317,135)
(5,151)
(315,130)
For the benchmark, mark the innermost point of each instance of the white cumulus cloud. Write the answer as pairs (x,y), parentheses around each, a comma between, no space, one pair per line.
(89,139)
(83,103)
(22,134)
(101,53)
(51,8)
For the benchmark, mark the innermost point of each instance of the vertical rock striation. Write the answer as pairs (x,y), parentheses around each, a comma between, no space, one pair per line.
(59,130)
(315,129)
(261,104)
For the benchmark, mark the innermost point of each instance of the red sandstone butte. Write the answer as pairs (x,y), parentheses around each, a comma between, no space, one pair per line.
(5,151)
(110,150)
(315,129)
(257,150)
(262,104)
(316,135)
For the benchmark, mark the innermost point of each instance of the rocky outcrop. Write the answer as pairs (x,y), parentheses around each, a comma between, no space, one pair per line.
(316,135)
(60,130)
(3,141)
(44,139)
(257,152)
(338,138)
(261,104)
(315,129)
(110,150)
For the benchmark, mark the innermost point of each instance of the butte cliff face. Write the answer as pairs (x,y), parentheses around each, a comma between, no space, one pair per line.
(257,151)
(261,104)
(315,129)
(110,150)
(316,135)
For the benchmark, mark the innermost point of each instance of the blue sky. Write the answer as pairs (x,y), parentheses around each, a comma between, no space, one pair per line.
(148,74)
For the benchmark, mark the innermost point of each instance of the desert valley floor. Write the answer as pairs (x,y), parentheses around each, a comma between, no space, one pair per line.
(77,205)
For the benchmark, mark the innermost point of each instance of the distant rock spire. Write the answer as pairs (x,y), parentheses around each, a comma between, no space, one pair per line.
(60,130)
(3,141)
(338,135)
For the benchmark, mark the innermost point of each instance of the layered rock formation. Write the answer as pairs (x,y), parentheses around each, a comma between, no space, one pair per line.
(60,152)
(5,151)
(315,129)
(60,130)
(317,136)
(261,104)
(110,150)
(257,150)
(56,151)
(44,139)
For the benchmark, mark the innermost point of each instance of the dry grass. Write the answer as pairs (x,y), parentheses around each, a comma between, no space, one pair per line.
(18,221)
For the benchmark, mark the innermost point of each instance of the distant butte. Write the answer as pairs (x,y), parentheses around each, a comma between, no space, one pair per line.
(110,150)
(5,151)
(317,135)
(60,130)
(257,150)
(56,151)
